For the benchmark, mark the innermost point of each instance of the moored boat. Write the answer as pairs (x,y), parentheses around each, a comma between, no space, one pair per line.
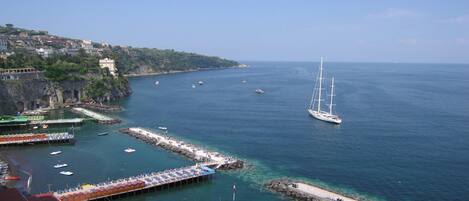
(66,173)
(60,165)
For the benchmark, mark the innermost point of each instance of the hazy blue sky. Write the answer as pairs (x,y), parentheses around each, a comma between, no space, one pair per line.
(374,30)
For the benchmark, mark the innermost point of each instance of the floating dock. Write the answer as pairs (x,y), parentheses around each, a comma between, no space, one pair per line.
(136,185)
(100,118)
(30,138)
(204,157)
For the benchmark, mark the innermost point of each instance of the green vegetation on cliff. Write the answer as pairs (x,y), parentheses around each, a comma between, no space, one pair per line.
(26,45)
(129,59)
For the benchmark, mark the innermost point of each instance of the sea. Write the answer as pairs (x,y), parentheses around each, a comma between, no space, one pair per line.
(404,136)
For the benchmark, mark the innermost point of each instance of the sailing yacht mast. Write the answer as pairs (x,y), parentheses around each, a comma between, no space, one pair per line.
(320,87)
(332,95)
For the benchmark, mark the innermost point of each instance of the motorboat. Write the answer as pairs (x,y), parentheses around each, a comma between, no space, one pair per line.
(55,152)
(162,128)
(259,91)
(60,165)
(129,150)
(66,173)
(103,134)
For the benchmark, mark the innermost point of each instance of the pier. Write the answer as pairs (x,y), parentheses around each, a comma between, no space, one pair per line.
(204,157)
(100,118)
(136,185)
(30,138)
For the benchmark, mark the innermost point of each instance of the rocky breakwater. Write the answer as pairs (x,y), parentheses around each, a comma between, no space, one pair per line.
(303,191)
(193,152)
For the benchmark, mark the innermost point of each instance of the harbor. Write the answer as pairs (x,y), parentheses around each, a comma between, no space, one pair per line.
(193,152)
(31,138)
(100,118)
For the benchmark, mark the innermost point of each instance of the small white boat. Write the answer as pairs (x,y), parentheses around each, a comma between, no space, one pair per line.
(157,82)
(61,165)
(55,152)
(129,150)
(103,134)
(35,127)
(193,86)
(162,128)
(244,81)
(260,91)
(66,173)
(200,82)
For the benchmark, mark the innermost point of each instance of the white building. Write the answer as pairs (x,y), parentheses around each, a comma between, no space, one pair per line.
(45,52)
(110,64)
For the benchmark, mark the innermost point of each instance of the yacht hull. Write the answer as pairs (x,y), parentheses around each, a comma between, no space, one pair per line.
(323,116)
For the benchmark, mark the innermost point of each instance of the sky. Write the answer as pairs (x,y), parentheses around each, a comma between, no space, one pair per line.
(427,31)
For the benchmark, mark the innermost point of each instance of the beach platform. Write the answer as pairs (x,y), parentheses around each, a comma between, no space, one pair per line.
(136,185)
(40,138)
(73,121)
(100,118)
(202,156)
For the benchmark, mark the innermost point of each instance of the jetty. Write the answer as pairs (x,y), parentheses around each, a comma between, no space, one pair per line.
(31,138)
(303,191)
(135,185)
(202,156)
(100,118)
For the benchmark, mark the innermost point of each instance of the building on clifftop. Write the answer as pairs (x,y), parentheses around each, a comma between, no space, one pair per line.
(110,64)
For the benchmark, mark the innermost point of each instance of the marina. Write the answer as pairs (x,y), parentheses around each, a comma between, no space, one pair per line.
(100,118)
(30,138)
(193,152)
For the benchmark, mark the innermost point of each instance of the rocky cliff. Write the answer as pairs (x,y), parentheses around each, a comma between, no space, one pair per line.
(26,94)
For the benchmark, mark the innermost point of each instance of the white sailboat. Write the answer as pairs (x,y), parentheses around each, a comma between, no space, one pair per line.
(314,108)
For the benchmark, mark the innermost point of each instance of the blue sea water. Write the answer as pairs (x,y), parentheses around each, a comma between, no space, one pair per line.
(404,136)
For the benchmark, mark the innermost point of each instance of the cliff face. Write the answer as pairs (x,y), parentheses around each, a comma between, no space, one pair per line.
(27,94)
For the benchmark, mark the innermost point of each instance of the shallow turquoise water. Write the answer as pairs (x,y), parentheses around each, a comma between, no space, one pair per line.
(404,136)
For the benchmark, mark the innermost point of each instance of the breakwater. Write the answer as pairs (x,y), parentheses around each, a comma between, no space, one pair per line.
(302,191)
(100,118)
(193,152)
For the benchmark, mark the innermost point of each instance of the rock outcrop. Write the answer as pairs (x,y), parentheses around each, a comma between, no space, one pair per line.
(28,94)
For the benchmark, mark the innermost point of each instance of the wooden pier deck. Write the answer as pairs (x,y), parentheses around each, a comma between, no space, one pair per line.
(41,138)
(100,118)
(204,157)
(136,185)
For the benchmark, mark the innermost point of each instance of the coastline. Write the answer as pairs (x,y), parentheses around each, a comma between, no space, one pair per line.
(178,71)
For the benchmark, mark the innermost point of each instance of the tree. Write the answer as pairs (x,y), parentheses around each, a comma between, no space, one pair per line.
(9,25)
